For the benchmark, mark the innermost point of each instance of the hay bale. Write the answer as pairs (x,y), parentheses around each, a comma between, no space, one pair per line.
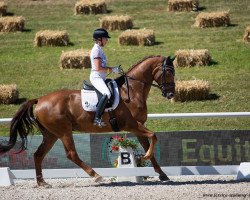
(8,94)
(190,58)
(246,37)
(213,19)
(11,24)
(87,7)
(77,59)
(116,22)
(51,38)
(144,37)
(193,90)
(3,9)
(183,5)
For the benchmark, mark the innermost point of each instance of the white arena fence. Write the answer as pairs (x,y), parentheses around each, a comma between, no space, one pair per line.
(143,171)
(181,115)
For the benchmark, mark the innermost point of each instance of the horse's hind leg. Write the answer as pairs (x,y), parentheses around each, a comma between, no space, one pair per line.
(47,143)
(71,153)
(145,144)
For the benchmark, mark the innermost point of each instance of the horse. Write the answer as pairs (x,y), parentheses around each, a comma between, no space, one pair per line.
(59,113)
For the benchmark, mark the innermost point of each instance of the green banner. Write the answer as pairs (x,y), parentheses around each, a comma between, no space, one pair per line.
(182,148)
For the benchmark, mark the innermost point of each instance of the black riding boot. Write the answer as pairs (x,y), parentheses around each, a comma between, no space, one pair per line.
(99,111)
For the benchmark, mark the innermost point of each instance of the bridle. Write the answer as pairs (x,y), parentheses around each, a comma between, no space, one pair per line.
(163,86)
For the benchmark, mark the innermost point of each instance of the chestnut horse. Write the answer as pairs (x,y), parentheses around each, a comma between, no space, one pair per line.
(59,113)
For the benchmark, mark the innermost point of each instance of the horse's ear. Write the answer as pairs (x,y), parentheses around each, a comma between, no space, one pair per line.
(173,58)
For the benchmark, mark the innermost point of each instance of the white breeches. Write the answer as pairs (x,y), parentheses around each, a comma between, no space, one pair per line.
(97,81)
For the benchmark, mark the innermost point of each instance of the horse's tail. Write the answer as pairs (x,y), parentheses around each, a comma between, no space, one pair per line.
(22,125)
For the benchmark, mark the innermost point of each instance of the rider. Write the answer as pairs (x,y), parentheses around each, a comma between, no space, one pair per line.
(99,70)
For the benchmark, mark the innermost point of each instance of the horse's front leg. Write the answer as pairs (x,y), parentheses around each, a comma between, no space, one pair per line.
(145,144)
(141,131)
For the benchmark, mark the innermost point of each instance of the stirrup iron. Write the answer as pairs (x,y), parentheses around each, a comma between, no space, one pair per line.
(99,122)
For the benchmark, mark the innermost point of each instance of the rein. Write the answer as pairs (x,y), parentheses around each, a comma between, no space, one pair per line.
(144,82)
(163,84)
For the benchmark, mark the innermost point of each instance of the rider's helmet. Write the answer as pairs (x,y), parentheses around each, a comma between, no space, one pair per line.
(100,33)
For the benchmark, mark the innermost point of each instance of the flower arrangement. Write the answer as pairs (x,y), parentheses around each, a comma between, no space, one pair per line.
(120,141)
(123,141)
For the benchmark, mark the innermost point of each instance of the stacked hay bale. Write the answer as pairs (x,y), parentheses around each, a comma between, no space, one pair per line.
(8,94)
(51,38)
(183,5)
(116,22)
(11,24)
(213,19)
(190,58)
(87,7)
(143,37)
(246,37)
(193,90)
(3,9)
(77,59)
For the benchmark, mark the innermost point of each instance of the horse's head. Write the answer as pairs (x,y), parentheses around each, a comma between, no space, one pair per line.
(149,69)
(164,76)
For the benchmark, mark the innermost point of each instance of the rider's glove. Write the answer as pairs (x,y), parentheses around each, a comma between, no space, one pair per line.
(116,69)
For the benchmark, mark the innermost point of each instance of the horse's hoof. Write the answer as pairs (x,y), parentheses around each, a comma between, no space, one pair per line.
(98,179)
(44,184)
(164,177)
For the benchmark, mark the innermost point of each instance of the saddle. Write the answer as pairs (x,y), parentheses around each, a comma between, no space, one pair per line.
(110,85)
(90,96)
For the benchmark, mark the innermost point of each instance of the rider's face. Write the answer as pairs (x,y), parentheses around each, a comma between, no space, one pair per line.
(104,41)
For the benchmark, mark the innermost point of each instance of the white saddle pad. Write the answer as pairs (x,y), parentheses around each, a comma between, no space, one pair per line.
(90,99)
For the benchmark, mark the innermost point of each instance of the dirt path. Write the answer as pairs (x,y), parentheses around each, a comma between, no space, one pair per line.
(181,187)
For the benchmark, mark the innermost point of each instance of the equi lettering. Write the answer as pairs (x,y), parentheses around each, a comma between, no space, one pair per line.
(194,152)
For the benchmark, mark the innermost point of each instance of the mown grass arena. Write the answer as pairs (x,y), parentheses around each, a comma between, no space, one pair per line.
(44,47)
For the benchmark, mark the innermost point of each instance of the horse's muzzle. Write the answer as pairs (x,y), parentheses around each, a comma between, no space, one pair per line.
(168,95)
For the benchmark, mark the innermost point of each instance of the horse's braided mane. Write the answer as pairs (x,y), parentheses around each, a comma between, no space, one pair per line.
(140,61)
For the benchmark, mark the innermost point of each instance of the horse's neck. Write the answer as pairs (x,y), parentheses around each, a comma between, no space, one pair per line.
(143,71)
(139,87)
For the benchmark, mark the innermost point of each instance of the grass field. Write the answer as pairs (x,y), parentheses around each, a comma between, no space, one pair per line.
(36,70)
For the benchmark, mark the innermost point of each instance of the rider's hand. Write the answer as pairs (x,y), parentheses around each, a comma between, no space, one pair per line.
(116,69)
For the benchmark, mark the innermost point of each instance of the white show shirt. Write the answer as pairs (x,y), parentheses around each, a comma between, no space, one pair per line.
(97,52)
